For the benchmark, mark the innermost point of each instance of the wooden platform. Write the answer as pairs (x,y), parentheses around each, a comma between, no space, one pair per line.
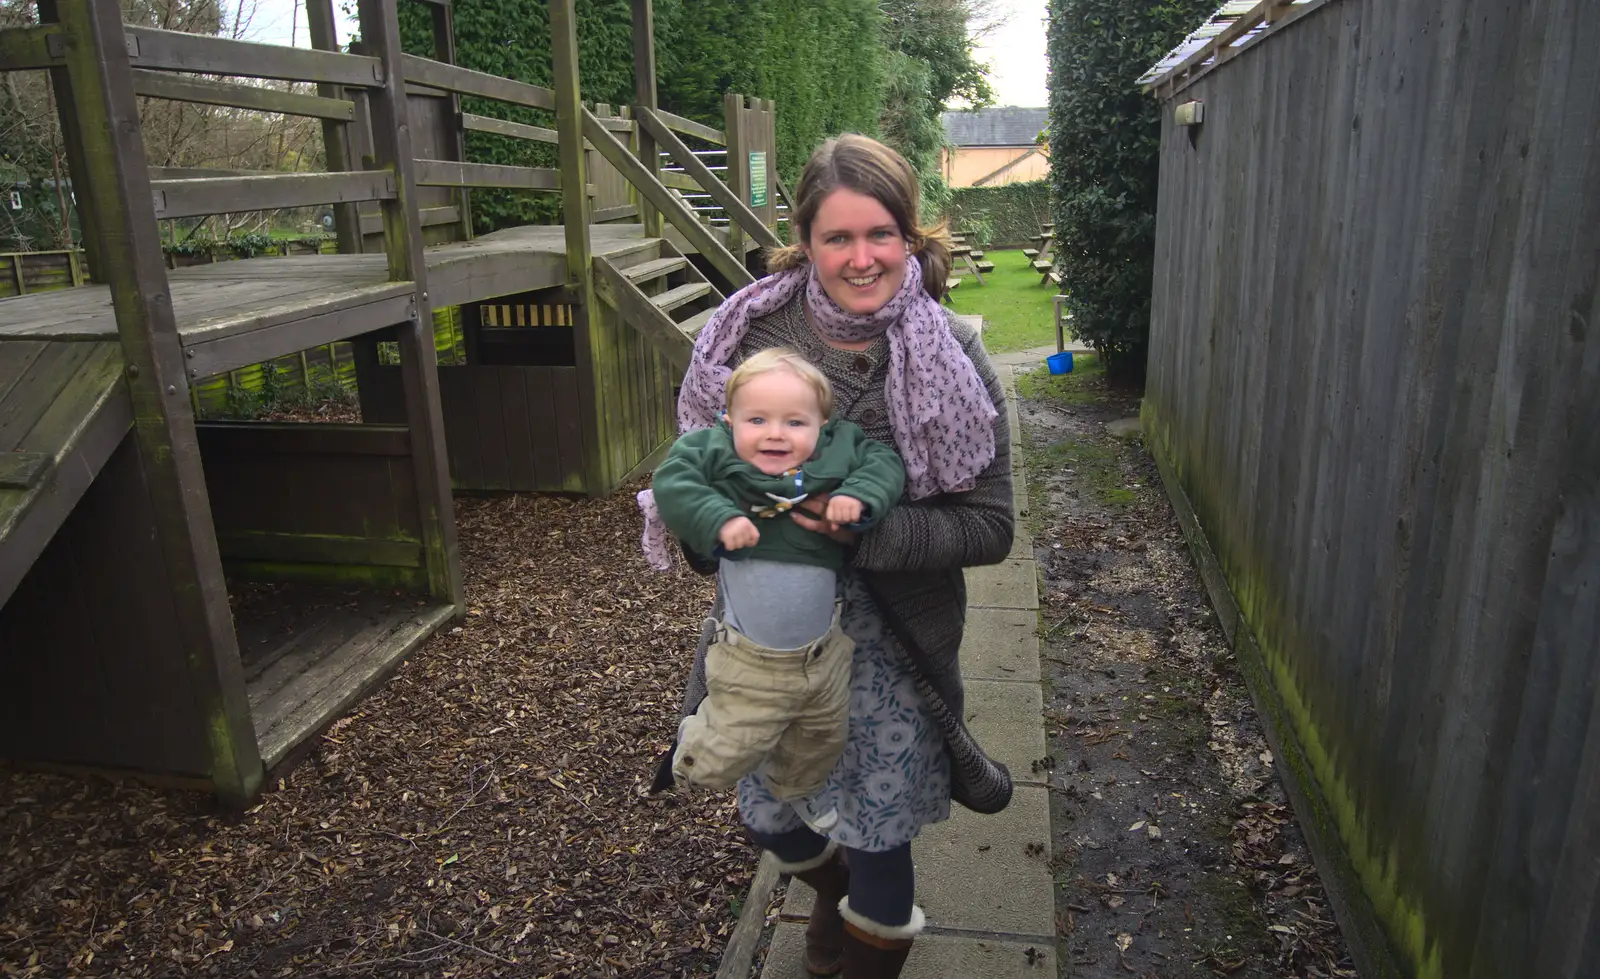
(309,653)
(63,411)
(235,313)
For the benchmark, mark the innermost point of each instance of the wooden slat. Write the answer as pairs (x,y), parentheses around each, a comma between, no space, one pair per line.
(519,436)
(655,268)
(677,296)
(504,127)
(679,181)
(274,331)
(292,438)
(679,124)
(21,470)
(346,675)
(319,549)
(205,54)
(372,224)
(452,78)
(450,173)
(220,195)
(617,213)
(27,47)
(720,192)
(210,92)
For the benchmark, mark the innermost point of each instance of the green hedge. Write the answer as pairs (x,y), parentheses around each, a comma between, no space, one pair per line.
(822,61)
(1105,146)
(1006,216)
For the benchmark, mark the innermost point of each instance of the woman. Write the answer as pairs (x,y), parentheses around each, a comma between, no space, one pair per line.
(859,297)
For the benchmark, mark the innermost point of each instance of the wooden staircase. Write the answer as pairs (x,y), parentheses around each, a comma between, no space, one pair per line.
(665,298)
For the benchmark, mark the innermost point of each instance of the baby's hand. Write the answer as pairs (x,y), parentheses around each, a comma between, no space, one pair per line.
(844,509)
(738,532)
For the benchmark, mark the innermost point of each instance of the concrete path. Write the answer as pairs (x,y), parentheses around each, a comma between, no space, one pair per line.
(983,881)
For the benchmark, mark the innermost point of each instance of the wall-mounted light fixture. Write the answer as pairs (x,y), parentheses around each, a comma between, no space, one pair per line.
(1189,114)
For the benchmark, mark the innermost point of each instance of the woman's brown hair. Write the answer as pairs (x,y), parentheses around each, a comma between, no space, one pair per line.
(868,167)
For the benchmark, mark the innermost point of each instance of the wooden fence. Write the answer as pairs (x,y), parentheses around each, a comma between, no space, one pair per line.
(1375,375)
(25,272)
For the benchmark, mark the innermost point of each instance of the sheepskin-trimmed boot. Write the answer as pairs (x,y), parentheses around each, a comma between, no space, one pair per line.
(873,950)
(830,878)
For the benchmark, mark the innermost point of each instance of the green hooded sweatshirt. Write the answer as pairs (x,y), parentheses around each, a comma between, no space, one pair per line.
(703,484)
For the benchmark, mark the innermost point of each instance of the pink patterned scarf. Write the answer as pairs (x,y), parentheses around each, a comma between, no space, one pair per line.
(939,409)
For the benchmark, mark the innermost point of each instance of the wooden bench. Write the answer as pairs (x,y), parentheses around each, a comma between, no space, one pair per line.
(985,266)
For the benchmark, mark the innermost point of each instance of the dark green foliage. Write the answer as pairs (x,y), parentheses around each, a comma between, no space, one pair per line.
(820,60)
(1005,216)
(1105,146)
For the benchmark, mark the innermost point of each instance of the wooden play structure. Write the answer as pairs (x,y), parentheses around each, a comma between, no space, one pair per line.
(197,601)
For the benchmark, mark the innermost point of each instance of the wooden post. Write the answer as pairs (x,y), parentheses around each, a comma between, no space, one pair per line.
(575,214)
(16,270)
(115,186)
(67,114)
(738,166)
(335,135)
(419,361)
(444,49)
(644,93)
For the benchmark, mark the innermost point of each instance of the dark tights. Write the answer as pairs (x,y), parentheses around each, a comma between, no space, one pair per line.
(882,885)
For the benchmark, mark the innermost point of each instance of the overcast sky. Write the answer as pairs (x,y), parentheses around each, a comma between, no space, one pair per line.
(1014,51)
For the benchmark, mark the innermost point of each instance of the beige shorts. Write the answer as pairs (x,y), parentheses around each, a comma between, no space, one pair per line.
(783,711)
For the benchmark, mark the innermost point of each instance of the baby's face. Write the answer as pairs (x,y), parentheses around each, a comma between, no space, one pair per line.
(775,419)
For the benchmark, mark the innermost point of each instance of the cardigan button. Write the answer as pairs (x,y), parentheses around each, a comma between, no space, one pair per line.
(869,417)
(863,365)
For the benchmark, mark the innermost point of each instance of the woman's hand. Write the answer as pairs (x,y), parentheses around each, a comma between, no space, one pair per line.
(814,518)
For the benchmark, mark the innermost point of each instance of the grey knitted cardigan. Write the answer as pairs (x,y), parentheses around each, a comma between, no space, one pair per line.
(912,560)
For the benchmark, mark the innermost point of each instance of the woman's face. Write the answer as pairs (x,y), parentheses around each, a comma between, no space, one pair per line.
(858,251)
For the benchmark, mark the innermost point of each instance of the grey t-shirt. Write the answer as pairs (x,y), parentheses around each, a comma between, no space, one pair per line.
(775,603)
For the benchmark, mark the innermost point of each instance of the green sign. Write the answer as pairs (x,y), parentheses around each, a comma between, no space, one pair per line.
(758,178)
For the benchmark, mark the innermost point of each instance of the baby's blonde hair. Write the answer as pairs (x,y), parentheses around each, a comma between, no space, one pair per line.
(781,359)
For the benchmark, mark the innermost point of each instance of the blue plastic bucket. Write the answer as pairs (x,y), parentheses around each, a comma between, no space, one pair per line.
(1060,363)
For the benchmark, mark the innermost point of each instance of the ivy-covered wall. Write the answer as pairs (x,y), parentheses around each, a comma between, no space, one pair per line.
(1006,216)
(820,60)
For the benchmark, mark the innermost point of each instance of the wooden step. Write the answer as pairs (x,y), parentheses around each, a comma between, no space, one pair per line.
(976,254)
(1030,253)
(673,298)
(654,269)
(694,324)
(1041,266)
(985,266)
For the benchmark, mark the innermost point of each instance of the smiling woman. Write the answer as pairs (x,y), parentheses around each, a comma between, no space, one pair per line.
(858,299)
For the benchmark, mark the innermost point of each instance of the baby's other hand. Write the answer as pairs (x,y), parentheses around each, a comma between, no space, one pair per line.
(844,509)
(738,532)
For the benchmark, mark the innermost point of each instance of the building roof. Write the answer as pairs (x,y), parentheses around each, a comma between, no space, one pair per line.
(1007,126)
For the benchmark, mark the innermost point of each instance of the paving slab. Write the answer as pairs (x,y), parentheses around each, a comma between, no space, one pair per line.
(932,957)
(1011,584)
(1001,644)
(1007,718)
(977,873)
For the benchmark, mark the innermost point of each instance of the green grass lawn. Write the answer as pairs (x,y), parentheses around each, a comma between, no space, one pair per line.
(1017,311)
